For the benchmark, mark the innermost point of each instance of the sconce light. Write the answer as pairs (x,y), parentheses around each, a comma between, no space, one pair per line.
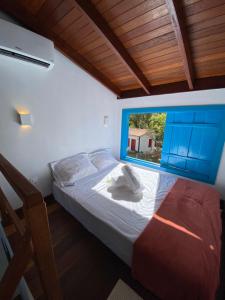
(106,121)
(25,119)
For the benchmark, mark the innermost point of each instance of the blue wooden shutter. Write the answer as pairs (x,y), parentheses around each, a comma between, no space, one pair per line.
(193,143)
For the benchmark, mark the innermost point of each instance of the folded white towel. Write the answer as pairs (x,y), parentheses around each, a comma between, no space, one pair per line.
(119,181)
(126,178)
(133,180)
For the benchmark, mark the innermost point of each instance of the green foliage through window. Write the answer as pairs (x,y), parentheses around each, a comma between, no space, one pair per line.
(155,122)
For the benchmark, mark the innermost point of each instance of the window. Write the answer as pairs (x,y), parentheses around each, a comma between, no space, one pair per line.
(187,141)
(144,131)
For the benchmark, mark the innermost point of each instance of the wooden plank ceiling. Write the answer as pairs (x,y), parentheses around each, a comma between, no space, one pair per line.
(135,47)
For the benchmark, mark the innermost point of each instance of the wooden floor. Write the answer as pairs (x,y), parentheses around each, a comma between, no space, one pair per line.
(87,269)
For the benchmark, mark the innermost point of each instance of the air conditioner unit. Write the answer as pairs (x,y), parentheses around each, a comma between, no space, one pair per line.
(19,43)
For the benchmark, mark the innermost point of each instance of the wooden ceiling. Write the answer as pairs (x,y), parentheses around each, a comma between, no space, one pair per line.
(135,47)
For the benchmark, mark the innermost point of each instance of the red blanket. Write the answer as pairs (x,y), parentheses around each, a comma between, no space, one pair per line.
(177,256)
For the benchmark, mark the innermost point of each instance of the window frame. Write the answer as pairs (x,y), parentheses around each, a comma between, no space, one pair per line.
(144,110)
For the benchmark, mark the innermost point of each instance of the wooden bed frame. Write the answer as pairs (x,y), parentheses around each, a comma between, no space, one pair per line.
(35,236)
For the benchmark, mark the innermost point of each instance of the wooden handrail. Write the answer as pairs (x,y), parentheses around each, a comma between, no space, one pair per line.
(35,236)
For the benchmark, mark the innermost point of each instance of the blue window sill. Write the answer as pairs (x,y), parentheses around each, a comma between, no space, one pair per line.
(159,167)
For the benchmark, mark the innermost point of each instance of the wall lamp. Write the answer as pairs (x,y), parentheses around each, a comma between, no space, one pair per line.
(25,119)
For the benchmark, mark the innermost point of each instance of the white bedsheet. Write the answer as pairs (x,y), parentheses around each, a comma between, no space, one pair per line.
(125,212)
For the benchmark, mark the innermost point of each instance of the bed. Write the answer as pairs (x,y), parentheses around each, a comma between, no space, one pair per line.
(169,233)
(117,218)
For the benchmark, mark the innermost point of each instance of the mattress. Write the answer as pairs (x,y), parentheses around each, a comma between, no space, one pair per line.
(116,216)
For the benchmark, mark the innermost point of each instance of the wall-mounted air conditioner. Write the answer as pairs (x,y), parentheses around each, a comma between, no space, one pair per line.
(19,43)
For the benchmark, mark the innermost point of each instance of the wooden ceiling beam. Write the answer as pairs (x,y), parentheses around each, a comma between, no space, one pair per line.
(178,21)
(78,59)
(22,16)
(207,83)
(113,41)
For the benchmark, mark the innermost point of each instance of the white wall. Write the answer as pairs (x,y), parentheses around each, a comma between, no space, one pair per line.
(67,106)
(179,99)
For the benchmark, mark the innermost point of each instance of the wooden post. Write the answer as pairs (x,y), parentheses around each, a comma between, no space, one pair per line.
(37,222)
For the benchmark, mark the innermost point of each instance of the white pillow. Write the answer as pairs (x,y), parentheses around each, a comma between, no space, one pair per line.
(133,180)
(67,171)
(102,159)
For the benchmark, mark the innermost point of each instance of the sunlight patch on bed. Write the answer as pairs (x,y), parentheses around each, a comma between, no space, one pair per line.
(176,226)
